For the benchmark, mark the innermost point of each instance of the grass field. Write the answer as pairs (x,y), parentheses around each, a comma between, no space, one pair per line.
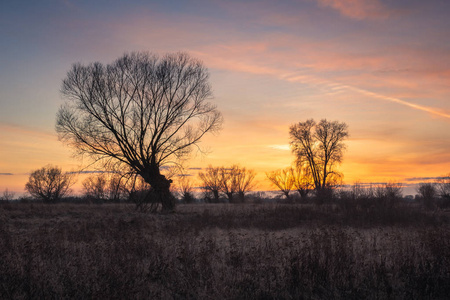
(220,251)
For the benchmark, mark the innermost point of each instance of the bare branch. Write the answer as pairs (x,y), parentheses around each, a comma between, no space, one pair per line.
(141,111)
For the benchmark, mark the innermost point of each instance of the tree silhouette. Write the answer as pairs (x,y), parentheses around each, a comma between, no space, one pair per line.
(211,181)
(141,112)
(443,190)
(95,187)
(244,182)
(443,186)
(427,192)
(303,182)
(283,179)
(49,183)
(228,180)
(185,188)
(228,184)
(319,148)
(7,195)
(104,186)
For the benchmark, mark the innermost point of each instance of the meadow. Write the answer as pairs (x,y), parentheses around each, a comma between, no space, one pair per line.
(223,251)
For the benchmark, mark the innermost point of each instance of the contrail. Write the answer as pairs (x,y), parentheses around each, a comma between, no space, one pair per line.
(402,102)
(337,87)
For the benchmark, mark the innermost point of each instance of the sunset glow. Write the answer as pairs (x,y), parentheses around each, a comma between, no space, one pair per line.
(382,67)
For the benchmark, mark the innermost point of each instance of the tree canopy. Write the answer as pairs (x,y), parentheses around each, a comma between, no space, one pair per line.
(141,111)
(319,147)
(49,183)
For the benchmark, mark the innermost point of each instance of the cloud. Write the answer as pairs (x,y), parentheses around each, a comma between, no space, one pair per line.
(16,129)
(6,174)
(414,179)
(90,172)
(283,147)
(358,9)
(184,175)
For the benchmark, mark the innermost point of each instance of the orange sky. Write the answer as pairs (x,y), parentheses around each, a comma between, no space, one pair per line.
(383,67)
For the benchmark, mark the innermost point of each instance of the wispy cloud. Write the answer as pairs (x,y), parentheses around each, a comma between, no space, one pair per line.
(415,179)
(283,147)
(358,9)
(25,130)
(6,174)
(90,172)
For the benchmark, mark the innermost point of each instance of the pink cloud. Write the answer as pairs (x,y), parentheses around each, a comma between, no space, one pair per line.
(358,9)
(400,74)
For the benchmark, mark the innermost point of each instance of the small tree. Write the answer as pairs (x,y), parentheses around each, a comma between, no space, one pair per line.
(185,188)
(227,177)
(443,190)
(236,180)
(303,182)
(106,186)
(389,194)
(116,187)
(49,184)
(244,182)
(427,192)
(283,179)
(211,182)
(96,187)
(7,195)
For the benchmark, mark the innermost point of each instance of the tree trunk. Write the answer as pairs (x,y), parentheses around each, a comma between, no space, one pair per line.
(230,197)
(160,186)
(241,197)
(288,197)
(216,196)
(303,193)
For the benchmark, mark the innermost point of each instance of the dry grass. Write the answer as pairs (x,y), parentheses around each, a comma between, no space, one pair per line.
(264,251)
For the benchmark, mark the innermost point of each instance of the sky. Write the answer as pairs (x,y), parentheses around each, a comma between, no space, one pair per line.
(381,66)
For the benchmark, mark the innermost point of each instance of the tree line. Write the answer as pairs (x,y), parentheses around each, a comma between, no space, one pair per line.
(50,185)
(143,113)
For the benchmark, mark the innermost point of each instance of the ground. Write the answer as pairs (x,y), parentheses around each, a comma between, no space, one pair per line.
(223,251)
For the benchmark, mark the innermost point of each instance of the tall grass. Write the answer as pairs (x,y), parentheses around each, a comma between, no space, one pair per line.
(222,252)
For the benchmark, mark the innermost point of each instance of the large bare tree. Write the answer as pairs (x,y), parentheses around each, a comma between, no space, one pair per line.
(319,147)
(141,112)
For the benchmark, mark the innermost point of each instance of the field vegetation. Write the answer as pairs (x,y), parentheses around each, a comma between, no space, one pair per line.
(337,250)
